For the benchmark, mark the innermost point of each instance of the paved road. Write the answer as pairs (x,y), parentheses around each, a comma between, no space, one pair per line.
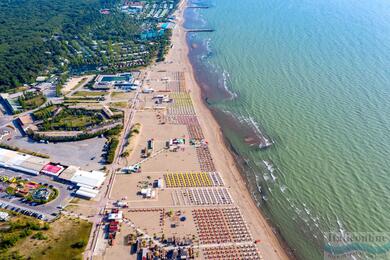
(5,120)
(105,201)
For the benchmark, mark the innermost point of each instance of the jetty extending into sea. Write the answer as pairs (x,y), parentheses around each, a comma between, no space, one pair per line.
(198,6)
(200,30)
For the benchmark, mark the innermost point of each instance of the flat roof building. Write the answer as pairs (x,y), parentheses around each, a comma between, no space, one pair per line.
(26,122)
(86,193)
(91,180)
(52,169)
(68,173)
(41,78)
(105,82)
(21,162)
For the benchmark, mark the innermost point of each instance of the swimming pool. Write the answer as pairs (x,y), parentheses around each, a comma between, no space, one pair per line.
(110,78)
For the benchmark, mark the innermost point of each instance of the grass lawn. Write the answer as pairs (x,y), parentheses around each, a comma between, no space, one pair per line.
(122,95)
(132,139)
(61,241)
(74,122)
(119,104)
(116,94)
(89,93)
(33,102)
(18,89)
(75,101)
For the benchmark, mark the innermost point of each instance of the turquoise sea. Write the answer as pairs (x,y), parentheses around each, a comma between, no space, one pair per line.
(314,76)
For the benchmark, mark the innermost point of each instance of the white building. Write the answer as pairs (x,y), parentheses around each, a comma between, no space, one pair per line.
(40,79)
(21,162)
(91,180)
(88,183)
(87,193)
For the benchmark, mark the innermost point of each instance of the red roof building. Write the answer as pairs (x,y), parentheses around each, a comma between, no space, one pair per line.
(52,169)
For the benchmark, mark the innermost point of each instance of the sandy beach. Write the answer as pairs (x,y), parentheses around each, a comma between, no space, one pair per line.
(204,198)
(270,246)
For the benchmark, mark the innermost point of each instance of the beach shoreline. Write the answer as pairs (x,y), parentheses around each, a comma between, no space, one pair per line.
(272,245)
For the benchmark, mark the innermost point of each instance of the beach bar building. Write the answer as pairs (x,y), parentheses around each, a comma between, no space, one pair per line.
(88,183)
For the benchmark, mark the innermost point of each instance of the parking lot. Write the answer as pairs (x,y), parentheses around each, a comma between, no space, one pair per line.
(85,154)
(47,211)
(5,119)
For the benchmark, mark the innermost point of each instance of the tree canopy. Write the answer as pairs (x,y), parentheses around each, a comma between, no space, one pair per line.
(35,35)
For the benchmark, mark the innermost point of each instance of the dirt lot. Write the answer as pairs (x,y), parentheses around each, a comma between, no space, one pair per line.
(76,82)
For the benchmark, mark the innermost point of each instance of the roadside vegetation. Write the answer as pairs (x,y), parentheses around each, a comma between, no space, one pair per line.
(113,142)
(131,139)
(17,149)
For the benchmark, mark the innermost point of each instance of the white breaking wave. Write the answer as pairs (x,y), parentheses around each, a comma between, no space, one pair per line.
(225,77)
(269,166)
(341,227)
(257,127)
(207,43)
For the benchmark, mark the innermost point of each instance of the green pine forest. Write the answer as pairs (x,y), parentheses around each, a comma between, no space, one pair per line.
(49,36)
